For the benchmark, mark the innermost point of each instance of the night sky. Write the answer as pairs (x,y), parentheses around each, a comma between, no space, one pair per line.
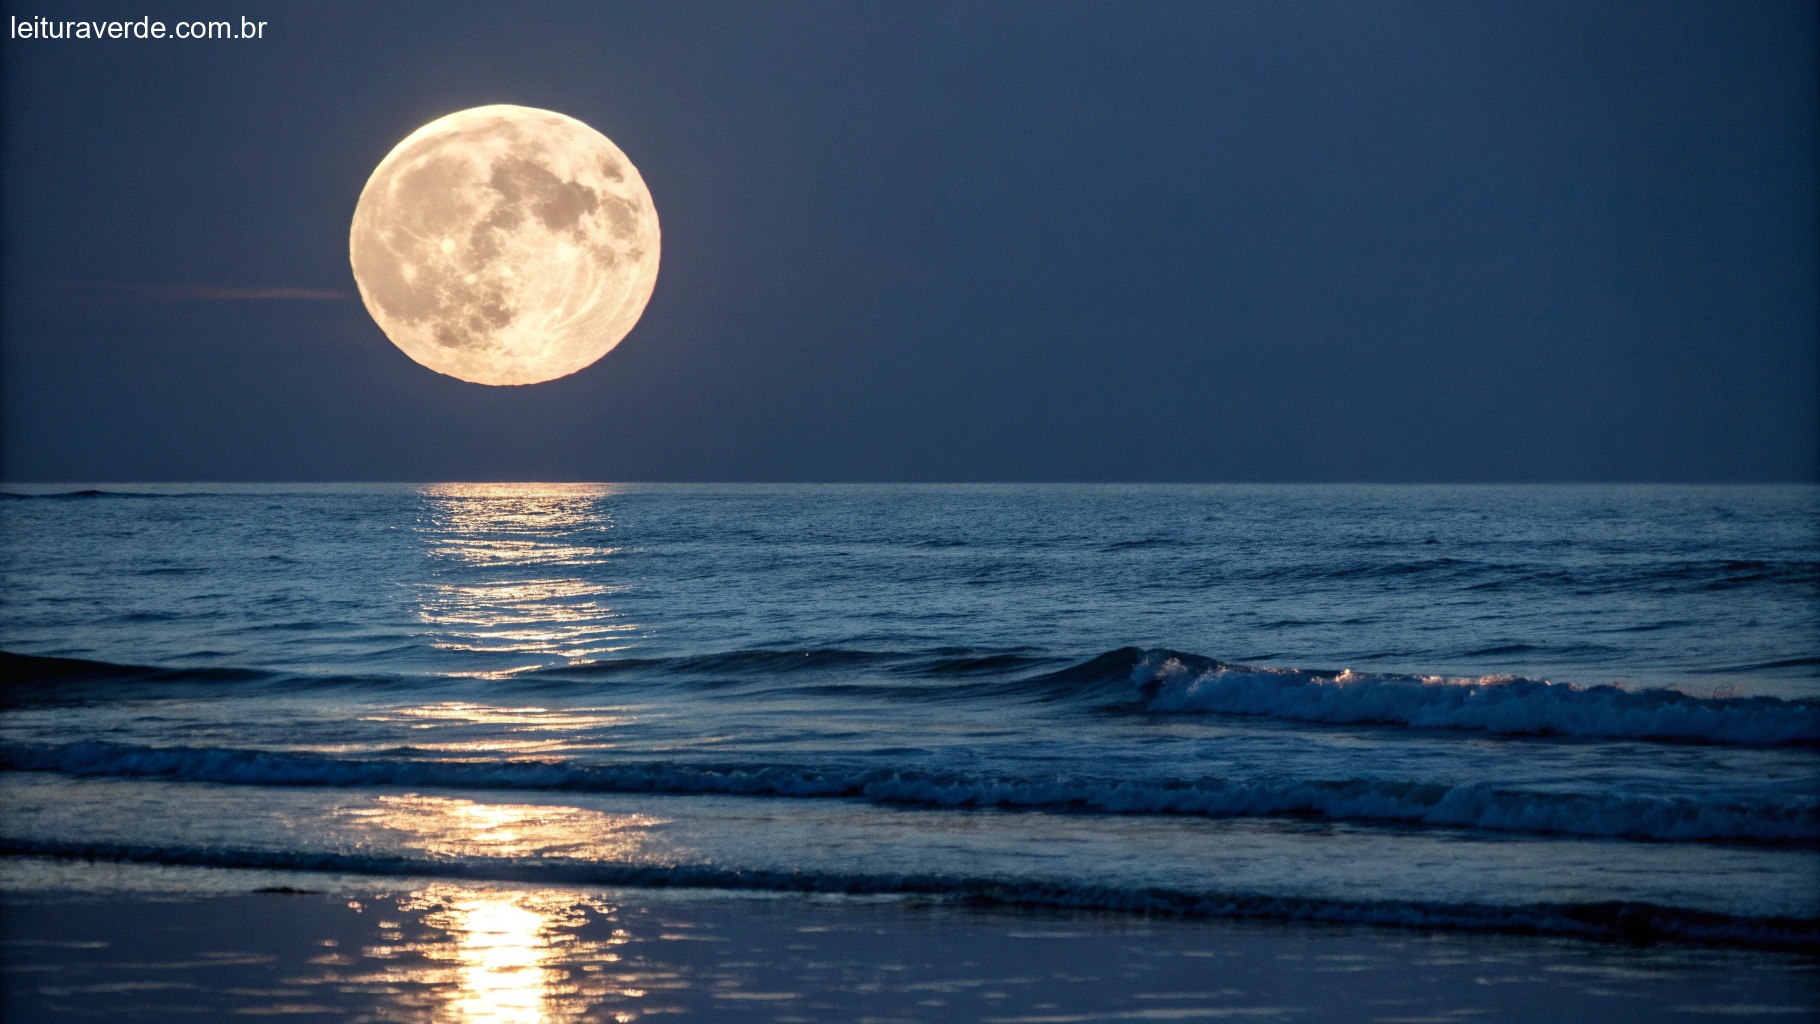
(1255,241)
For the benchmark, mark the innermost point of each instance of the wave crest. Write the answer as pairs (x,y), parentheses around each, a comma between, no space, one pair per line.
(1777,819)
(1160,680)
(1503,705)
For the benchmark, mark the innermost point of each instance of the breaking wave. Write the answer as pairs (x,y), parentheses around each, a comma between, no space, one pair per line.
(1161,681)
(1503,705)
(1776,819)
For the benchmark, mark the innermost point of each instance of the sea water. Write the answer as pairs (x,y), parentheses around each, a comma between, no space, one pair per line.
(1578,711)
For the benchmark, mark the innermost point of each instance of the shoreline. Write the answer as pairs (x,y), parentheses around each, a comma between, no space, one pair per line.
(1609,922)
(146,942)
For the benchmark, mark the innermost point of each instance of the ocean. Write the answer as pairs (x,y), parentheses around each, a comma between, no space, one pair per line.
(1578,714)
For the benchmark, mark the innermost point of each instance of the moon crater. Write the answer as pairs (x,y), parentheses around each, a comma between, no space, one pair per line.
(505,245)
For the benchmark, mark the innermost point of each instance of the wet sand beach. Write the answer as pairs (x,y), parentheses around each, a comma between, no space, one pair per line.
(147,943)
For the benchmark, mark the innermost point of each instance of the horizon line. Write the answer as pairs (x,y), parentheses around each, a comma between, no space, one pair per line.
(910,483)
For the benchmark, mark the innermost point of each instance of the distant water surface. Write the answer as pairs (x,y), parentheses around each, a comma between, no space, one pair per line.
(1583,711)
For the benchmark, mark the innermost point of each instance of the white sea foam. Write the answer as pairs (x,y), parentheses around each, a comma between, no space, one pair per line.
(1772,817)
(1506,705)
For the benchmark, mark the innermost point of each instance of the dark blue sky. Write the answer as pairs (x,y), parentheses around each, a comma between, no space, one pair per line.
(955,241)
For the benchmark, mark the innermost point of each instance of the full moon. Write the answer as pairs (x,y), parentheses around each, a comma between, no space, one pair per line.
(505,245)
